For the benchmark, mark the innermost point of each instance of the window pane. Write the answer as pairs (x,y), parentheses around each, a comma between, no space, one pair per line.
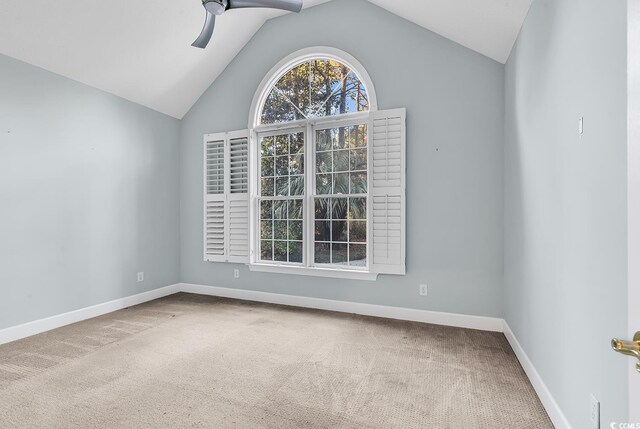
(280,209)
(358,136)
(323,140)
(295,209)
(296,164)
(323,231)
(324,183)
(358,159)
(358,183)
(357,231)
(358,255)
(341,222)
(295,251)
(266,209)
(324,162)
(346,156)
(317,87)
(338,253)
(281,217)
(296,185)
(267,166)
(266,229)
(350,97)
(280,251)
(322,208)
(282,165)
(267,147)
(339,231)
(267,187)
(295,230)
(282,145)
(339,209)
(341,160)
(322,253)
(287,166)
(280,230)
(341,183)
(266,250)
(282,186)
(296,144)
(357,208)
(340,138)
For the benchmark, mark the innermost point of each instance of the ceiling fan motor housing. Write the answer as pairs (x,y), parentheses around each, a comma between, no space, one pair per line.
(216,7)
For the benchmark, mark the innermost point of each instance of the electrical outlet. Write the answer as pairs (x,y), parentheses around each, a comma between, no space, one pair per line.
(140,276)
(423,290)
(595,412)
(236,274)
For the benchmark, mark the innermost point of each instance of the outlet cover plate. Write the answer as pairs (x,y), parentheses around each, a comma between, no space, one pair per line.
(595,412)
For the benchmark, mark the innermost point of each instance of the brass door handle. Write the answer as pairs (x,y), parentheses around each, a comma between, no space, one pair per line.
(629,348)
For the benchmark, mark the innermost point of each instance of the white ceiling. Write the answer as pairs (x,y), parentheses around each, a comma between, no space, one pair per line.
(99,43)
(486,26)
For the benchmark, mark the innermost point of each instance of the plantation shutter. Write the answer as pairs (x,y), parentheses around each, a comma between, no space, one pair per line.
(387,190)
(214,201)
(238,197)
(226,205)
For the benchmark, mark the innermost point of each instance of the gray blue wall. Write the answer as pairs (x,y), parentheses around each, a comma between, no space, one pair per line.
(565,201)
(88,195)
(455,105)
(94,188)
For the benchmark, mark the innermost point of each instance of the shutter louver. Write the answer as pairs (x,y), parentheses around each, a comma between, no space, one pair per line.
(237,180)
(214,167)
(238,230)
(239,165)
(387,151)
(214,231)
(226,217)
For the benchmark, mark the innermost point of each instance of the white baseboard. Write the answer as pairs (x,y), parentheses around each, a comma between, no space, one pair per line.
(414,315)
(39,326)
(551,406)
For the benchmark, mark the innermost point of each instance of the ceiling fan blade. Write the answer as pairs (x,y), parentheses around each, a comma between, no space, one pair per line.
(207,31)
(290,5)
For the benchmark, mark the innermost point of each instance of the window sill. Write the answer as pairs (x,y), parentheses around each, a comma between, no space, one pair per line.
(315,272)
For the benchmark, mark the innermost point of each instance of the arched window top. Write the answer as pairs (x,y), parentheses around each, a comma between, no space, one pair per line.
(313,83)
(314,88)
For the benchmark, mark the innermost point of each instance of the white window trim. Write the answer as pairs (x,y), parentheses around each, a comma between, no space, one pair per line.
(310,126)
(314,271)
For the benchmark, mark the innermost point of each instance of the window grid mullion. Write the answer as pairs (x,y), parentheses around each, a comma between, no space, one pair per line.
(310,177)
(278,198)
(331,197)
(309,199)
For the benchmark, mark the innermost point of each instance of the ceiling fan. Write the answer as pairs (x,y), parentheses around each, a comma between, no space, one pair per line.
(218,7)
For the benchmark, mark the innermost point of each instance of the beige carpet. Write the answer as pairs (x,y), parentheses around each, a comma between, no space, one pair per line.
(188,361)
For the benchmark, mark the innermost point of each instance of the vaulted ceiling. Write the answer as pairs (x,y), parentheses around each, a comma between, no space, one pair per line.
(140,50)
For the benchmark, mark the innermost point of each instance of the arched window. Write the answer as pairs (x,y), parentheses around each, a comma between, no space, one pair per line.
(315,87)
(312,83)
(316,185)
